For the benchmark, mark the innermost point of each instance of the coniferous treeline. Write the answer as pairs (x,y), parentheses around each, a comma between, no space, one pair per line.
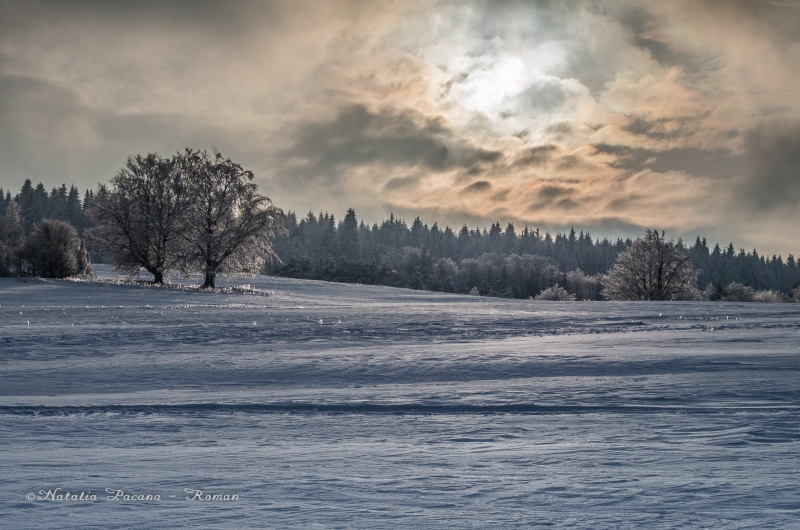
(60,203)
(721,267)
(496,261)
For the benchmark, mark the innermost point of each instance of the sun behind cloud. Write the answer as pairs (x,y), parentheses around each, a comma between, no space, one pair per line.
(680,115)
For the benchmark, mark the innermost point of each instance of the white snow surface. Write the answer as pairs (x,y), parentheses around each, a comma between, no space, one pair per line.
(328,405)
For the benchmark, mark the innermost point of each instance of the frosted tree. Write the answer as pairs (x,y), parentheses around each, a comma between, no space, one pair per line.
(555,293)
(51,250)
(141,216)
(582,286)
(84,263)
(230,223)
(651,269)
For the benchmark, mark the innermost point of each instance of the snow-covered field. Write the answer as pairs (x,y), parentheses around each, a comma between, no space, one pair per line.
(336,406)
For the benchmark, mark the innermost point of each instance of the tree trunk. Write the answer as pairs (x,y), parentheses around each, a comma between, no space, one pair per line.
(158,276)
(209,283)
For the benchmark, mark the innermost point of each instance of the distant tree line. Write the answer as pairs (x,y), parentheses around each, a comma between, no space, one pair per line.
(36,203)
(503,262)
(165,213)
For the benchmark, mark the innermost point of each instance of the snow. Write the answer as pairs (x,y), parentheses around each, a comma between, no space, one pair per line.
(329,405)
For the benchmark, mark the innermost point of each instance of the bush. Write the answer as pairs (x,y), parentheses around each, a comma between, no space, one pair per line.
(51,250)
(795,295)
(768,296)
(556,293)
(738,292)
(582,286)
(84,263)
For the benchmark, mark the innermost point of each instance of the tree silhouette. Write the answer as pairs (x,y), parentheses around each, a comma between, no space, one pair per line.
(651,269)
(229,223)
(141,216)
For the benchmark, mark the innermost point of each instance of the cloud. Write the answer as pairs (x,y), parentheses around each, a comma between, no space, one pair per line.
(608,116)
(398,183)
(719,164)
(359,136)
(551,195)
(500,196)
(477,187)
(773,156)
(536,156)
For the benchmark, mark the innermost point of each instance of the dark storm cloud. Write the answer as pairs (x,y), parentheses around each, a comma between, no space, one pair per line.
(622,203)
(552,195)
(566,204)
(714,164)
(779,15)
(359,137)
(773,153)
(641,22)
(208,16)
(550,192)
(537,155)
(482,155)
(477,187)
(400,183)
(500,196)
(47,134)
(625,157)
(655,128)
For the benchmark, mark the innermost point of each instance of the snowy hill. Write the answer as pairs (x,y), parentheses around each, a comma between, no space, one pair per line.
(346,405)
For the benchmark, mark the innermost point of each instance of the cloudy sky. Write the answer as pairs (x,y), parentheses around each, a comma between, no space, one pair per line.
(609,116)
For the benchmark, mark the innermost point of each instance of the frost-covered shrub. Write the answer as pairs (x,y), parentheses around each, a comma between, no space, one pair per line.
(713,292)
(769,296)
(795,295)
(445,271)
(556,293)
(84,263)
(738,292)
(51,250)
(582,286)
(474,292)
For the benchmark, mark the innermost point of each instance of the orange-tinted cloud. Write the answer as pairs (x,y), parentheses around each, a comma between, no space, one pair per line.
(681,115)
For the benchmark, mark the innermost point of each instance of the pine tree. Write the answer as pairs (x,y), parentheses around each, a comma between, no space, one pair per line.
(12,232)
(348,236)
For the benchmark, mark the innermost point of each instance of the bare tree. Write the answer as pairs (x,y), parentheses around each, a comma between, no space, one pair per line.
(230,223)
(51,250)
(651,269)
(141,217)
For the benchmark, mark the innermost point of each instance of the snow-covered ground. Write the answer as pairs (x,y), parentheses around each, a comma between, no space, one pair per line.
(328,405)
